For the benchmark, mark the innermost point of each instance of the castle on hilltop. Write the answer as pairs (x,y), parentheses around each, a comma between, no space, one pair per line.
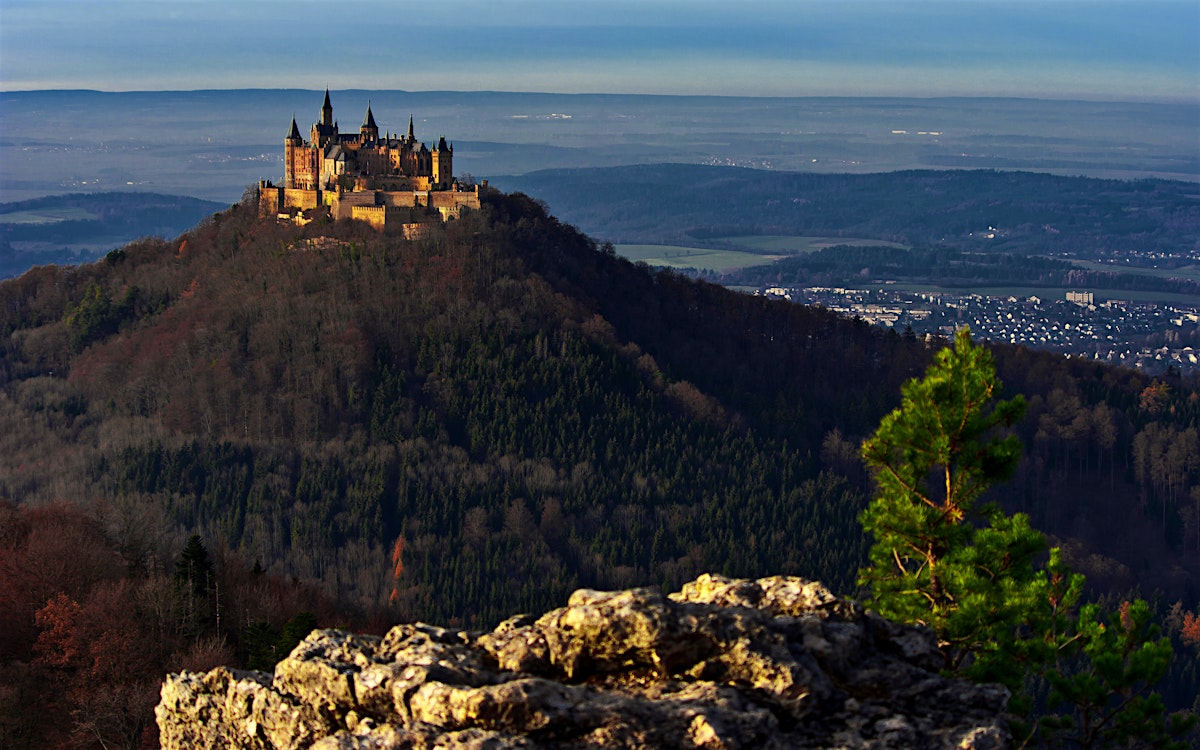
(361,175)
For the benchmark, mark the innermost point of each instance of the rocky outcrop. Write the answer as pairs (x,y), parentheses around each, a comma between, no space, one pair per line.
(773,663)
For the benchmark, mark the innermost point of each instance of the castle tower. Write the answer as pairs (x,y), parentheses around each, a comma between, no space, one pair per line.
(411,138)
(325,131)
(369,130)
(327,111)
(443,164)
(291,145)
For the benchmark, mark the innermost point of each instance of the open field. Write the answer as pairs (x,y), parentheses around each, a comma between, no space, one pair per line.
(790,245)
(1187,272)
(760,250)
(675,256)
(47,216)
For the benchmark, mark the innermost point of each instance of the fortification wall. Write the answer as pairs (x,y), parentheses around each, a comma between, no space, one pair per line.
(450,204)
(376,216)
(379,216)
(377,208)
(270,199)
(345,203)
(301,199)
(399,198)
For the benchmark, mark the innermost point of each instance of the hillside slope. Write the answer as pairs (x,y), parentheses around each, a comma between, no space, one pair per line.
(476,423)
(316,397)
(521,412)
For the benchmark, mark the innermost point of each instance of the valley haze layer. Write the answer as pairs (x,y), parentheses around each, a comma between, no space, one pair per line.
(212,144)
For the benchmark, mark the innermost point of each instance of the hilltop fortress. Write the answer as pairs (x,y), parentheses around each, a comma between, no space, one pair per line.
(385,180)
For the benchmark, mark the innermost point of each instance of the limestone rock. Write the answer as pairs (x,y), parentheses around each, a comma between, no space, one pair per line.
(774,663)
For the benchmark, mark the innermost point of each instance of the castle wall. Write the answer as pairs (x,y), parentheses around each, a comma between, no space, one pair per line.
(344,205)
(376,216)
(300,199)
(450,203)
(270,199)
(399,198)
(380,216)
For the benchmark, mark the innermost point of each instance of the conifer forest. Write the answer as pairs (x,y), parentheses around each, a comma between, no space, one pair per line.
(215,442)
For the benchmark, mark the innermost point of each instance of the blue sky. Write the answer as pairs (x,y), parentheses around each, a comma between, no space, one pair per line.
(1088,49)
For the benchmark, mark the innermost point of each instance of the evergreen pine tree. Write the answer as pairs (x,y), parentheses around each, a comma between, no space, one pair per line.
(940,556)
(944,558)
(193,585)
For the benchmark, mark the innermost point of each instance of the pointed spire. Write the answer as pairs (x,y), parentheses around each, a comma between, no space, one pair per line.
(369,120)
(327,110)
(294,134)
(411,137)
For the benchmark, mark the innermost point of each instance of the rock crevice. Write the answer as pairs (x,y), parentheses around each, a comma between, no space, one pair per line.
(773,663)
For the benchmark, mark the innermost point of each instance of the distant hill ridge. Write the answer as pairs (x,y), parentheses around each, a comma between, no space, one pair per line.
(1036,212)
(81,227)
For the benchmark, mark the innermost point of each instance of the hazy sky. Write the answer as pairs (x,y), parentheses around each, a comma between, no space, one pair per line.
(1144,49)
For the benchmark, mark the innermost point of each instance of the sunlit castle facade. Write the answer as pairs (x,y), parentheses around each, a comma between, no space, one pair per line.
(361,174)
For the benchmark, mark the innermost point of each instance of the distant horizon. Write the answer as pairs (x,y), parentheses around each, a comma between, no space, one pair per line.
(1114,50)
(358,89)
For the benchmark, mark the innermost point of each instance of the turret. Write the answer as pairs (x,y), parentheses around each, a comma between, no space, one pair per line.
(327,111)
(369,130)
(411,137)
(443,167)
(325,131)
(293,135)
(291,144)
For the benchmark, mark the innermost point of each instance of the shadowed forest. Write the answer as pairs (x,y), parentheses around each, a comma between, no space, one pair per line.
(218,440)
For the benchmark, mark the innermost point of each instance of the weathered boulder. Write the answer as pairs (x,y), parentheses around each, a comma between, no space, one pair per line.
(774,663)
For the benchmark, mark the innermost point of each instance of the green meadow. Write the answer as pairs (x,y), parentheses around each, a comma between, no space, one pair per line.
(785,245)
(1186,272)
(47,216)
(675,256)
(754,250)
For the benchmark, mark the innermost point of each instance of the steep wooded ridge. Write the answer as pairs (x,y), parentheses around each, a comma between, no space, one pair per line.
(478,422)
(524,413)
(773,663)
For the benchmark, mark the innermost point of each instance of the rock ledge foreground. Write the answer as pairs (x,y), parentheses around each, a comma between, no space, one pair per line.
(775,663)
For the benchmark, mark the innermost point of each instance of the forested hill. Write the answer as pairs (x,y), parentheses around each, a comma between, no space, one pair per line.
(481,420)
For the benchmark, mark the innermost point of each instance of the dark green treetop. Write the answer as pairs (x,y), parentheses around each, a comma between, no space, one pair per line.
(940,556)
(975,575)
